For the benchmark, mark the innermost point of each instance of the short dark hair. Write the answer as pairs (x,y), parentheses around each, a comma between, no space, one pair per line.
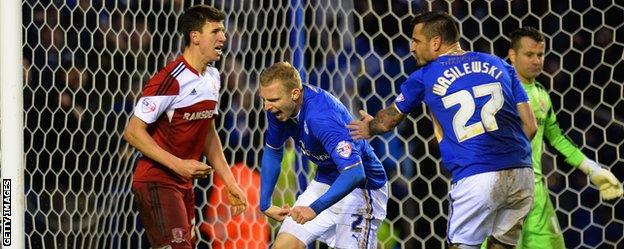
(436,23)
(530,32)
(194,19)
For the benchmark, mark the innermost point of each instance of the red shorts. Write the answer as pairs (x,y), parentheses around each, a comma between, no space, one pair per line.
(167,213)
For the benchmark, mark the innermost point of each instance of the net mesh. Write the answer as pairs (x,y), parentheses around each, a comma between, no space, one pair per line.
(86,61)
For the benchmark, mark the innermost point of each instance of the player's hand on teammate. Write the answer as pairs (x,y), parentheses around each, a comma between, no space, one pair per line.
(236,199)
(193,169)
(278,213)
(359,129)
(301,214)
(609,186)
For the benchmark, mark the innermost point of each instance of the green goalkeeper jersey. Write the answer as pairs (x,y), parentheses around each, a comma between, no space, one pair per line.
(548,127)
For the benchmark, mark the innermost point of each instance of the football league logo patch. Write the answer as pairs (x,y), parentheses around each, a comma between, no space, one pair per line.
(148,105)
(344,149)
(400,98)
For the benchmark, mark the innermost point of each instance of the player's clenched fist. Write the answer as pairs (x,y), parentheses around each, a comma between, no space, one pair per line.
(277,213)
(302,214)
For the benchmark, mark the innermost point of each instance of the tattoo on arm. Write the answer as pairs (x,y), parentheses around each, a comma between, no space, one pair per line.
(385,120)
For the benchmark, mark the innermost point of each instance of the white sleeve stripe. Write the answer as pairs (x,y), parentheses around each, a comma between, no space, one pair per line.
(166,82)
(268,145)
(397,108)
(173,75)
(351,166)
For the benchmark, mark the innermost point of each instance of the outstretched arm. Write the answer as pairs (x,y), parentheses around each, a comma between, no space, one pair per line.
(384,121)
(606,182)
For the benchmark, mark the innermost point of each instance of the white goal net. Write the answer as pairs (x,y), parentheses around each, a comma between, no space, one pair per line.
(86,61)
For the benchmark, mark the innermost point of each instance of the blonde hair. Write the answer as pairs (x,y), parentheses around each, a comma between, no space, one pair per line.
(282,71)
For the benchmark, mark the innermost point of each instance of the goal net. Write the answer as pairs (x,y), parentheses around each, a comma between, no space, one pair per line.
(85,63)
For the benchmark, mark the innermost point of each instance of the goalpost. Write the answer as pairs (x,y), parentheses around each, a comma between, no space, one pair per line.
(85,63)
(11,125)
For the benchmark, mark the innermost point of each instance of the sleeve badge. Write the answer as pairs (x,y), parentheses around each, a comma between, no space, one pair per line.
(399,98)
(344,149)
(147,105)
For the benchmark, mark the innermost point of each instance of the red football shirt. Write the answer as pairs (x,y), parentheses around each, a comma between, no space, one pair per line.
(177,103)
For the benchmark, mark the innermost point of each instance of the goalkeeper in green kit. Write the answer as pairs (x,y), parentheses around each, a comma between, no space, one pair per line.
(541,228)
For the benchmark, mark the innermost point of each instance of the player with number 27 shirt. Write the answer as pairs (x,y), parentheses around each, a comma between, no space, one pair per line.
(472,97)
(482,121)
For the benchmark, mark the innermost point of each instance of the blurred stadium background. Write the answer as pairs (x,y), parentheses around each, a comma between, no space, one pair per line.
(85,62)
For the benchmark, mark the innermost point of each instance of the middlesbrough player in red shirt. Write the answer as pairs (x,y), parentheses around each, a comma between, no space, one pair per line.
(172,125)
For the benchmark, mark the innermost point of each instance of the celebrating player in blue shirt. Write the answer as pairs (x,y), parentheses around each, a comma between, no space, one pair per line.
(346,202)
(483,123)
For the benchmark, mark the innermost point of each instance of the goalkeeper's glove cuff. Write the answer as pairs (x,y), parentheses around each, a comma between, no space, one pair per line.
(589,167)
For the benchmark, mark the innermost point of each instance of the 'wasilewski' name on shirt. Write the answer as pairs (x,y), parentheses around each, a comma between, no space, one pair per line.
(455,72)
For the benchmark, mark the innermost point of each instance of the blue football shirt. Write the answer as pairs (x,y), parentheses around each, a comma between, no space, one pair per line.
(319,131)
(472,99)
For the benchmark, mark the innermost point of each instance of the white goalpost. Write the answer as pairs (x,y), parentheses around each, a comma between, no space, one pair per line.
(11,124)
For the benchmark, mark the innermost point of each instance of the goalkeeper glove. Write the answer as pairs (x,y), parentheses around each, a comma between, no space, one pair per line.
(609,186)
